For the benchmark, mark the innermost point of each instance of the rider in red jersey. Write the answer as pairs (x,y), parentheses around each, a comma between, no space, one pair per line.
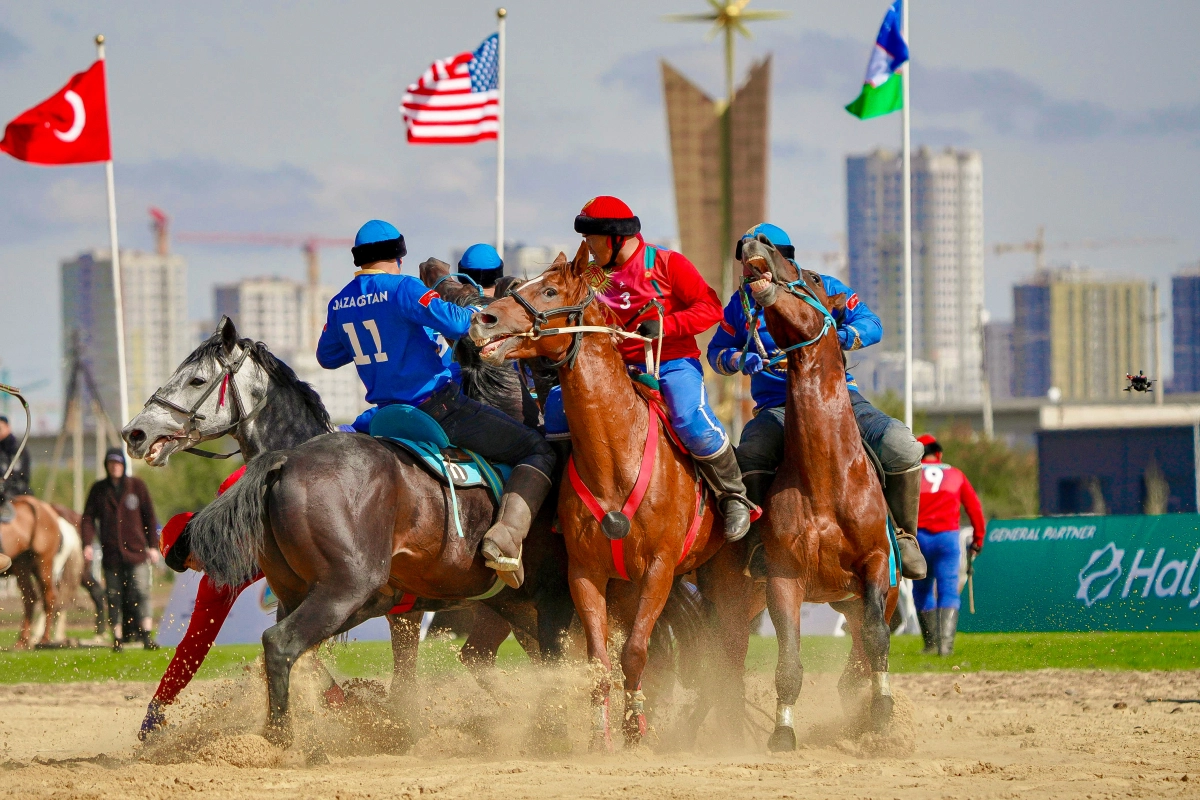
(944,490)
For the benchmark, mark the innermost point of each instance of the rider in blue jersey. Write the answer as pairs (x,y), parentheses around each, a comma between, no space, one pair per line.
(386,323)
(761,447)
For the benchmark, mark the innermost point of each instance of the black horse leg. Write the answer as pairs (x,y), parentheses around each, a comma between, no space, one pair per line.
(876,639)
(554,616)
(784,596)
(316,618)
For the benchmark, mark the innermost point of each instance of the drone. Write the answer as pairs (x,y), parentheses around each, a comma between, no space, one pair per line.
(1139,383)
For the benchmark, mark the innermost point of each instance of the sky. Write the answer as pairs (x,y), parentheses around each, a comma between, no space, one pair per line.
(282,117)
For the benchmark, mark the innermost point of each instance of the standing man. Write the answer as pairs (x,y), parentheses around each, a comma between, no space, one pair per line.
(943,490)
(119,505)
(18,481)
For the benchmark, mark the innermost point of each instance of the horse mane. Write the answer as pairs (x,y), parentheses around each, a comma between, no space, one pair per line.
(277,370)
(495,385)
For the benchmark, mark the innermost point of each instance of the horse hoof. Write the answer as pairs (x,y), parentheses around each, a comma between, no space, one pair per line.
(881,712)
(782,740)
(601,743)
(278,735)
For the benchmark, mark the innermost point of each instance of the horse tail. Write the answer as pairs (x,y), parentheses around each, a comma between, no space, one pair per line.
(227,534)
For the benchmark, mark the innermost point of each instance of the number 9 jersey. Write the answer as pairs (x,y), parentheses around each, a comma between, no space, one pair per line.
(943,490)
(382,323)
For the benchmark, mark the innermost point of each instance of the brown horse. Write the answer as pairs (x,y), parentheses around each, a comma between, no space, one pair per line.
(670,533)
(32,540)
(825,526)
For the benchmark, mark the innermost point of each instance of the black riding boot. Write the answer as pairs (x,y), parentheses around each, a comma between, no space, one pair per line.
(523,496)
(757,484)
(929,630)
(947,627)
(721,472)
(903,495)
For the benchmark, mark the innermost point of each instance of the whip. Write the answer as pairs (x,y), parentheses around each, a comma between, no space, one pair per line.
(15,392)
(971,581)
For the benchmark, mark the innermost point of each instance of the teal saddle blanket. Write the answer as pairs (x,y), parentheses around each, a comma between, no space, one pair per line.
(420,435)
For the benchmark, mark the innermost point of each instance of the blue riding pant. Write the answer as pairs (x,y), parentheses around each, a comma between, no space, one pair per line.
(941,551)
(682,383)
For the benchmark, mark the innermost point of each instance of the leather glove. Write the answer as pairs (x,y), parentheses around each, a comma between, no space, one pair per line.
(650,329)
(432,269)
(155,719)
(752,363)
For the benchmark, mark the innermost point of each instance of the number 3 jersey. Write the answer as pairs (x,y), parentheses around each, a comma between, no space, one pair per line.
(690,306)
(943,489)
(387,326)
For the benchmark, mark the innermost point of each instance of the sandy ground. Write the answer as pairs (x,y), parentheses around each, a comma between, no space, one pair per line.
(1006,735)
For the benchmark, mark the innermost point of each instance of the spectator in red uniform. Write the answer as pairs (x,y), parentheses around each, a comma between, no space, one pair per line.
(943,490)
(213,605)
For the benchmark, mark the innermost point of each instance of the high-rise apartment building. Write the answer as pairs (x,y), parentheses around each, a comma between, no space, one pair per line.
(947,246)
(154,298)
(1078,332)
(284,314)
(998,358)
(1185,315)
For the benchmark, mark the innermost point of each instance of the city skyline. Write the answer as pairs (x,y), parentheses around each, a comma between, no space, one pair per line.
(231,120)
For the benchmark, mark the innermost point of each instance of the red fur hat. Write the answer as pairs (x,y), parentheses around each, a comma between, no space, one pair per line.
(607,216)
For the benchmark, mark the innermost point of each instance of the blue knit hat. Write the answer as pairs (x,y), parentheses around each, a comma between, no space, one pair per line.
(378,241)
(774,233)
(482,264)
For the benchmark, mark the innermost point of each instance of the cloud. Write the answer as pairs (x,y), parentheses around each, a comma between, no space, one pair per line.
(999,100)
(11,48)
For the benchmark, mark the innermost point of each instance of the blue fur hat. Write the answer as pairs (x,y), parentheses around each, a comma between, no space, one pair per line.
(378,241)
(774,233)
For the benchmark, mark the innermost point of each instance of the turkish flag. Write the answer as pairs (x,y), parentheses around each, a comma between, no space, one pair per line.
(69,128)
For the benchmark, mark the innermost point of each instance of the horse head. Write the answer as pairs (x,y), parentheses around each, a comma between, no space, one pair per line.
(524,323)
(792,319)
(216,388)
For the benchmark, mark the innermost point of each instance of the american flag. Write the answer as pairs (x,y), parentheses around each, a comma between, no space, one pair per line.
(455,101)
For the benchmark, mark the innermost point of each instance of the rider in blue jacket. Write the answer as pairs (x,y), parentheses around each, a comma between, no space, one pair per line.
(761,448)
(386,324)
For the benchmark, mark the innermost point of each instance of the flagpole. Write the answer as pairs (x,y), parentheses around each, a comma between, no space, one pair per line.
(906,191)
(501,14)
(118,305)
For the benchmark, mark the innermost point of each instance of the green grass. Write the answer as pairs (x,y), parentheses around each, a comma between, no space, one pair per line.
(977,651)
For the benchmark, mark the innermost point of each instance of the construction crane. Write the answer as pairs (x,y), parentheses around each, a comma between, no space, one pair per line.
(1038,245)
(309,245)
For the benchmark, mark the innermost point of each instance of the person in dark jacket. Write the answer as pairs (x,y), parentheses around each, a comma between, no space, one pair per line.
(18,481)
(119,510)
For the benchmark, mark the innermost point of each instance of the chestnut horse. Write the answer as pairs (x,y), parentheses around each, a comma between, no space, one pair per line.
(825,526)
(670,533)
(32,540)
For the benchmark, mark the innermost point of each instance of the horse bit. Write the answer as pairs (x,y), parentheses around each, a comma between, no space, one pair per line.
(229,371)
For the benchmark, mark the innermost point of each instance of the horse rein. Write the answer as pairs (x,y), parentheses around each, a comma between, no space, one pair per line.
(229,371)
(574,315)
(805,294)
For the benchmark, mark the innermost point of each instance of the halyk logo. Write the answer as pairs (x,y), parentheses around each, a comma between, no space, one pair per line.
(1172,578)
(1097,577)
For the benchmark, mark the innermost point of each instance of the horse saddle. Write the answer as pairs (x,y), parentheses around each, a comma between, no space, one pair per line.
(412,430)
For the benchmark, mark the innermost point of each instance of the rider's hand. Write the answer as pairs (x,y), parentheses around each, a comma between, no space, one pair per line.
(974,549)
(155,555)
(88,552)
(432,270)
(752,364)
(651,329)
(155,719)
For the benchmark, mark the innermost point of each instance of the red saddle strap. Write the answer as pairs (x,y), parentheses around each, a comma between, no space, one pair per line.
(645,473)
(407,601)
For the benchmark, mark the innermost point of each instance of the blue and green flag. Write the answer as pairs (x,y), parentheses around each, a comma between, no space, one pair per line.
(883,89)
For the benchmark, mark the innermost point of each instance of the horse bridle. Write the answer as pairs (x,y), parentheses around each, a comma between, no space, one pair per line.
(229,371)
(805,294)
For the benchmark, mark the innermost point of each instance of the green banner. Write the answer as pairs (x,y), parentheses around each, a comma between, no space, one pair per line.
(1088,574)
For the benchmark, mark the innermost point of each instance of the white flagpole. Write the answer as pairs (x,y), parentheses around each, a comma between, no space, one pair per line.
(501,14)
(118,305)
(906,190)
